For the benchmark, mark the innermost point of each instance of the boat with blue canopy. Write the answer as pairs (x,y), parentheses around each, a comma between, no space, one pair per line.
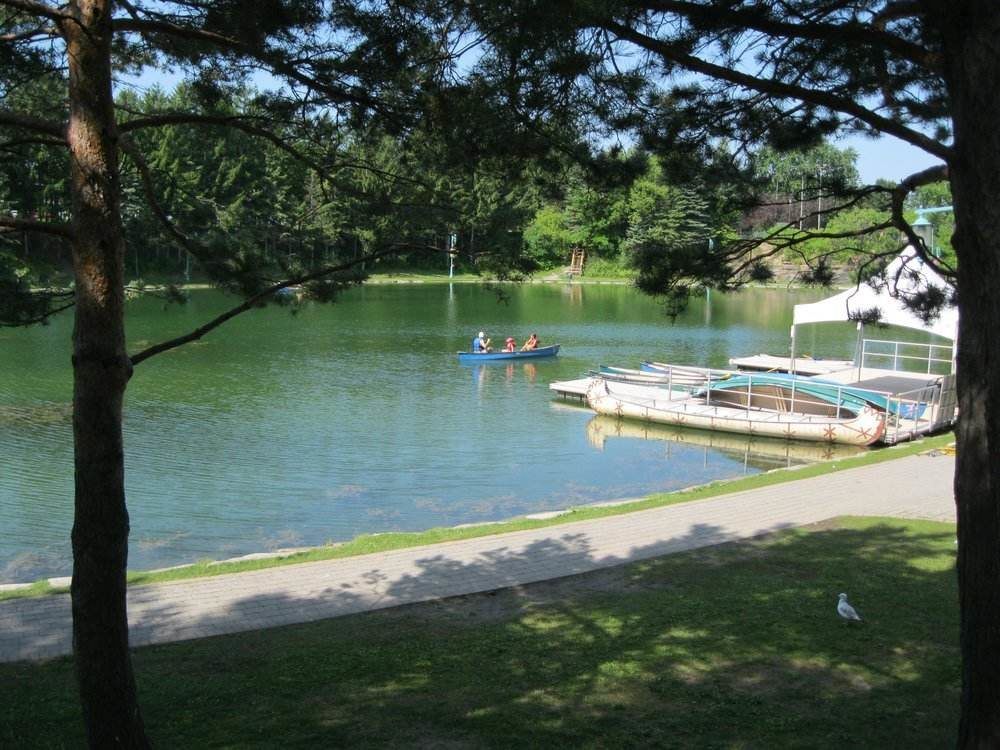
(789,393)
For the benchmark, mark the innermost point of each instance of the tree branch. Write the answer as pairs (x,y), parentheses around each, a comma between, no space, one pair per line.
(28,225)
(758,19)
(36,33)
(36,124)
(5,145)
(241,124)
(272,61)
(36,9)
(779,240)
(896,11)
(252,302)
(229,122)
(40,318)
(780,89)
(937,173)
(129,147)
(147,182)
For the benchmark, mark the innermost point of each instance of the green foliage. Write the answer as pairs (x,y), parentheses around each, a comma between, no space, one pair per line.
(609,268)
(845,250)
(547,238)
(20,302)
(597,217)
(800,170)
(669,230)
(935,195)
(632,224)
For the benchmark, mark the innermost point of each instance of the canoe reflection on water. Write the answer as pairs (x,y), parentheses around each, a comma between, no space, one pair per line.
(602,427)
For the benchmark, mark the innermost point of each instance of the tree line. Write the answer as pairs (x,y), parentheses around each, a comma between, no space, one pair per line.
(252,197)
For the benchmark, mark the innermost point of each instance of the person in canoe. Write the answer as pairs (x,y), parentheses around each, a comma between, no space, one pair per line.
(481,344)
(510,345)
(531,343)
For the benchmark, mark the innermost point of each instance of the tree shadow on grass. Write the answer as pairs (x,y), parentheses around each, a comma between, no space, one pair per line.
(737,644)
(158,613)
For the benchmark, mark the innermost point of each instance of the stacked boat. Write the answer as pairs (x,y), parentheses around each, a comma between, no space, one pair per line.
(765,404)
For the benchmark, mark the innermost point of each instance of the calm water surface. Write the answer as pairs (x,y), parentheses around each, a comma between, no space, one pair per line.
(284,430)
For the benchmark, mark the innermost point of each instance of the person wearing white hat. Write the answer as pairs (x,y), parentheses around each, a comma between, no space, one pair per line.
(481,344)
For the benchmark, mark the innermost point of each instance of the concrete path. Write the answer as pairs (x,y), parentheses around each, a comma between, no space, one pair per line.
(913,487)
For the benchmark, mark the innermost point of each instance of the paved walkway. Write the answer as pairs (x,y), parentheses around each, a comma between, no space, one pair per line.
(913,487)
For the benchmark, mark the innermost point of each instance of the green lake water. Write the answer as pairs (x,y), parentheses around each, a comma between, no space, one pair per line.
(283,430)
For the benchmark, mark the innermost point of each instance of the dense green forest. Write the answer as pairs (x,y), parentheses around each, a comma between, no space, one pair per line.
(256,199)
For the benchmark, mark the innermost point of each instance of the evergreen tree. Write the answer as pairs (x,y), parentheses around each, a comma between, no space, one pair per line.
(788,74)
(358,64)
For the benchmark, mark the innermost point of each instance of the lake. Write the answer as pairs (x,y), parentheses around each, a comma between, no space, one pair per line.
(283,430)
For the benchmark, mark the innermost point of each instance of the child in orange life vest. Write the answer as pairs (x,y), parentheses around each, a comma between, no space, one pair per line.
(510,345)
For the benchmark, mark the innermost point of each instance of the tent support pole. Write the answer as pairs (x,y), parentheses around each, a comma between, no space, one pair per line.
(791,359)
(859,348)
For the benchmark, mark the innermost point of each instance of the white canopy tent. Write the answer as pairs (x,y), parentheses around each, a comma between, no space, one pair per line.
(906,275)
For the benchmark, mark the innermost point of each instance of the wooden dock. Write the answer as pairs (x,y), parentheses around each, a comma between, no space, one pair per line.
(803,365)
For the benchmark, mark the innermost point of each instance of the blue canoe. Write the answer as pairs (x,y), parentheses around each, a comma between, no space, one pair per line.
(542,351)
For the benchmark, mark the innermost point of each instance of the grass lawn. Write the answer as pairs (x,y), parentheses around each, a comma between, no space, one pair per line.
(731,646)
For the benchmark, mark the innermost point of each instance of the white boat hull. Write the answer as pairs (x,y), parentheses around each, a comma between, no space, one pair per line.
(652,404)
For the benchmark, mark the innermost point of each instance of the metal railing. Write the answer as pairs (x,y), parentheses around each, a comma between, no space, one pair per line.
(927,408)
(687,380)
(900,353)
(788,405)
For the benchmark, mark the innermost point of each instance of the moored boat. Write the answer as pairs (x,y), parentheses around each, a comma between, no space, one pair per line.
(682,372)
(542,351)
(790,393)
(653,404)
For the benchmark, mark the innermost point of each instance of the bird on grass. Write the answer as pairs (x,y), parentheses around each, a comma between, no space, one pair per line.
(846,611)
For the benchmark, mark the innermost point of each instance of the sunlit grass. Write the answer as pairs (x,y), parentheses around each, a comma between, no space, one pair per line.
(731,646)
(38,588)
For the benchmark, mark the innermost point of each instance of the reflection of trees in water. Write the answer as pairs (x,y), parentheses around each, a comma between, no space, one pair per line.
(149,543)
(34,414)
(573,293)
(762,453)
(481,376)
(764,308)
(50,560)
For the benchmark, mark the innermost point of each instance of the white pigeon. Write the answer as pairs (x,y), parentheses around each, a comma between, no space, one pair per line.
(846,611)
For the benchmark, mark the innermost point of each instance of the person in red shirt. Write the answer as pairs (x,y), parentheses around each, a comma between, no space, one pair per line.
(510,346)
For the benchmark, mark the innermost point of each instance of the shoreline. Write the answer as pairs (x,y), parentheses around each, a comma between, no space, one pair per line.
(40,628)
(416,278)
(386,541)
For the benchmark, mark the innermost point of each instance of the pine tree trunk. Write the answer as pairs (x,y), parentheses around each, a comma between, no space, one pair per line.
(971,30)
(101,370)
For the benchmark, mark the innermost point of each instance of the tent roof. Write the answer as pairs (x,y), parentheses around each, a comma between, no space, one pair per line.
(905,275)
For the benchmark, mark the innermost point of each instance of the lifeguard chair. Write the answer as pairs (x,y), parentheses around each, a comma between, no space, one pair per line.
(576,262)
